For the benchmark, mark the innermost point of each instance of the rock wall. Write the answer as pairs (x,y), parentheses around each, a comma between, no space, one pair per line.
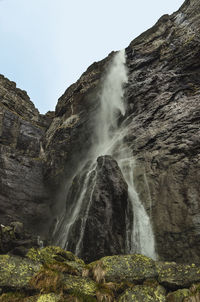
(101,221)
(23,196)
(163,107)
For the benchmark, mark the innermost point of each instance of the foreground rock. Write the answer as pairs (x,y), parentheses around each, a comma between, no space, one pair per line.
(174,275)
(137,268)
(144,294)
(129,268)
(52,274)
(161,127)
(16,272)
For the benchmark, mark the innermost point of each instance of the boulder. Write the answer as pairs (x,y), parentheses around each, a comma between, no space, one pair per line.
(61,260)
(178,296)
(49,298)
(16,272)
(143,293)
(174,276)
(123,268)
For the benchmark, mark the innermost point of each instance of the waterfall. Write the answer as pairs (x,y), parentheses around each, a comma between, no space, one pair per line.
(109,140)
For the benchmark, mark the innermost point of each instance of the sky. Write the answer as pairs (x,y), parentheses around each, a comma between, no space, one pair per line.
(47,44)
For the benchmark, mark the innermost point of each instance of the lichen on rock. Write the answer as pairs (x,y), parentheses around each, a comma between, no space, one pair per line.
(174,276)
(119,268)
(143,293)
(16,272)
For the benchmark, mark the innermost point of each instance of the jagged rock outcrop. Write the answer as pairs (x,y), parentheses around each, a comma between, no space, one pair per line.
(23,196)
(101,222)
(164,117)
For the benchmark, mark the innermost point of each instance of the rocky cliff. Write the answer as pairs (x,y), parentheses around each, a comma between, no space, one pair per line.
(23,196)
(41,155)
(164,113)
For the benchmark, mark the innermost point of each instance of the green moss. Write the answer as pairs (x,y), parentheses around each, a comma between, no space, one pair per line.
(123,268)
(48,254)
(143,293)
(76,284)
(177,275)
(16,271)
(178,295)
(62,260)
(79,297)
(12,297)
(49,298)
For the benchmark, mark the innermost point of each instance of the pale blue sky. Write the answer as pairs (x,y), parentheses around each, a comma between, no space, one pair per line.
(47,44)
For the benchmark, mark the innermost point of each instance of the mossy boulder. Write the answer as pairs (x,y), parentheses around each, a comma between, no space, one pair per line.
(12,297)
(178,295)
(176,276)
(143,293)
(81,286)
(59,258)
(52,281)
(16,272)
(49,298)
(123,268)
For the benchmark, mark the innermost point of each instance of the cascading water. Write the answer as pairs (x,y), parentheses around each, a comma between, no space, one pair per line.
(110,141)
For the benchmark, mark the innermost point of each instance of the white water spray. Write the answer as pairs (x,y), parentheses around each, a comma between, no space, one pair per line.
(110,141)
(140,238)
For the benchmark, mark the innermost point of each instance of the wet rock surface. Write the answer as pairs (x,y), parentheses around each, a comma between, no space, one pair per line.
(102,219)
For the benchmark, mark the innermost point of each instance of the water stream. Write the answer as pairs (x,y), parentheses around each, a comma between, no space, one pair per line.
(109,140)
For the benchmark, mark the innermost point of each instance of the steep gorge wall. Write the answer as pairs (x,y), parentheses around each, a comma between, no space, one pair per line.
(23,196)
(163,97)
(163,115)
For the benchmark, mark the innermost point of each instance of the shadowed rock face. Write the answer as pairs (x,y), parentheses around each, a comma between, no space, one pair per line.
(22,193)
(162,116)
(102,218)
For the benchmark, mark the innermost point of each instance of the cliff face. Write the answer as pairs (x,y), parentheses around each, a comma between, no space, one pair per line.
(163,96)
(162,116)
(22,193)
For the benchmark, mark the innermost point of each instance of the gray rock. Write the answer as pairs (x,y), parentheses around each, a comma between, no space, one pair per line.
(16,272)
(23,196)
(143,293)
(102,214)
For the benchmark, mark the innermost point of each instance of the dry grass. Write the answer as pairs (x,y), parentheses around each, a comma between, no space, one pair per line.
(62,267)
(98,272)
(47,281)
